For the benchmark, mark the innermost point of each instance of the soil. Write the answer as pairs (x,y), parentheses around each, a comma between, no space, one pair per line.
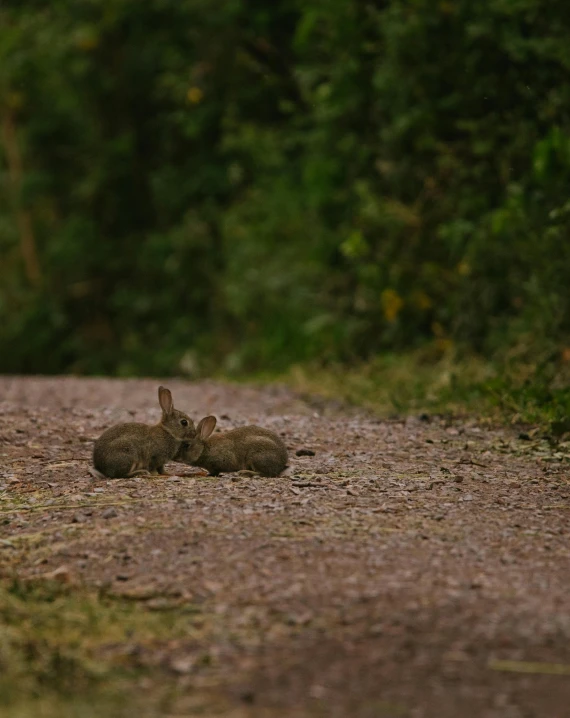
(410,567)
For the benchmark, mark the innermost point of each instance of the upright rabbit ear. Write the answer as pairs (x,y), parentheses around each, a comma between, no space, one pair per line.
(165,400)
(206,426)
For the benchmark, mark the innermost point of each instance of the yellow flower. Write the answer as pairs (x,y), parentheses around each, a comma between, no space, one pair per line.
(392,303)
(463,269)
(194,95)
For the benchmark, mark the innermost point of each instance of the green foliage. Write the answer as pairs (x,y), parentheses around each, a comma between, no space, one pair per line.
(64,652)
(515,389)
(183,189)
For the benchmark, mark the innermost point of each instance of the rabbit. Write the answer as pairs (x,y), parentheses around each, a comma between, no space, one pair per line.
(126,450)
(248,448)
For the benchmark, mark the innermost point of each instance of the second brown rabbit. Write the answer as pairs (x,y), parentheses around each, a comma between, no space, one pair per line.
(249,448)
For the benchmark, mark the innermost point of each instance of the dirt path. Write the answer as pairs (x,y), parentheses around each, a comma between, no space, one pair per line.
(393,573)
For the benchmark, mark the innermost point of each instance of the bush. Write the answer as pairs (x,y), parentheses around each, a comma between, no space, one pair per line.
(183,189)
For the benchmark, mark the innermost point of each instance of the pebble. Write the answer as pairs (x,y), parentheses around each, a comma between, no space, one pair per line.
(110,513)
(62,573)
(183,664)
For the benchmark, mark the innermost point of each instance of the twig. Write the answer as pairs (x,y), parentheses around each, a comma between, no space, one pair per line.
(58,507)
(302,484)
(548,669)
(23,218)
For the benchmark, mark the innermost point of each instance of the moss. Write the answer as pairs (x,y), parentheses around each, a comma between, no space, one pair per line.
(70,652)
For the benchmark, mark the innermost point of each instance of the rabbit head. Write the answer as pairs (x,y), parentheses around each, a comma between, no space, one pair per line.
(178,424)
(192,449)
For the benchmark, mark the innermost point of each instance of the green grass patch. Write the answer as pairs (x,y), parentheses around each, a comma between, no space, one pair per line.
(512,389)
(69,652)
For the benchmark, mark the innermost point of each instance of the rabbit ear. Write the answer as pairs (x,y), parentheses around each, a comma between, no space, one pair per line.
(165,400)
(206,426)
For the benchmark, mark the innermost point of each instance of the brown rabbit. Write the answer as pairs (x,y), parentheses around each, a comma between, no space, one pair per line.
(129,449)
(246,448)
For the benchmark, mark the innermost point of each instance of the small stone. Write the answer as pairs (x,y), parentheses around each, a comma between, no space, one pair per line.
(62,573)
(317,691)
(183,664)
(305,452)
(78,519)
(110,513)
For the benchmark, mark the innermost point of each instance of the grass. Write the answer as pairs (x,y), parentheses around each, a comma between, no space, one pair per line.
(69,652)
(512,389)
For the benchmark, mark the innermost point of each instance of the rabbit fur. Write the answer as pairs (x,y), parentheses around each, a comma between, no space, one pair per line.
(249,448)
(131,449)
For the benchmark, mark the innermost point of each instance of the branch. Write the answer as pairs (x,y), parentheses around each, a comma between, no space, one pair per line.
(23,218)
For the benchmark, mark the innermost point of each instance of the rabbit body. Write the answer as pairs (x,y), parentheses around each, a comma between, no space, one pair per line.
(245,448)
(128,449)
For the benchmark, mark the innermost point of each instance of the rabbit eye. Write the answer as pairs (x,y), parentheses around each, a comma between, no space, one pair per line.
(184,422)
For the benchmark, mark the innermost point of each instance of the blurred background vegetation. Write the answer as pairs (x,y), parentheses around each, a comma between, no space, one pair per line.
(190,186)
